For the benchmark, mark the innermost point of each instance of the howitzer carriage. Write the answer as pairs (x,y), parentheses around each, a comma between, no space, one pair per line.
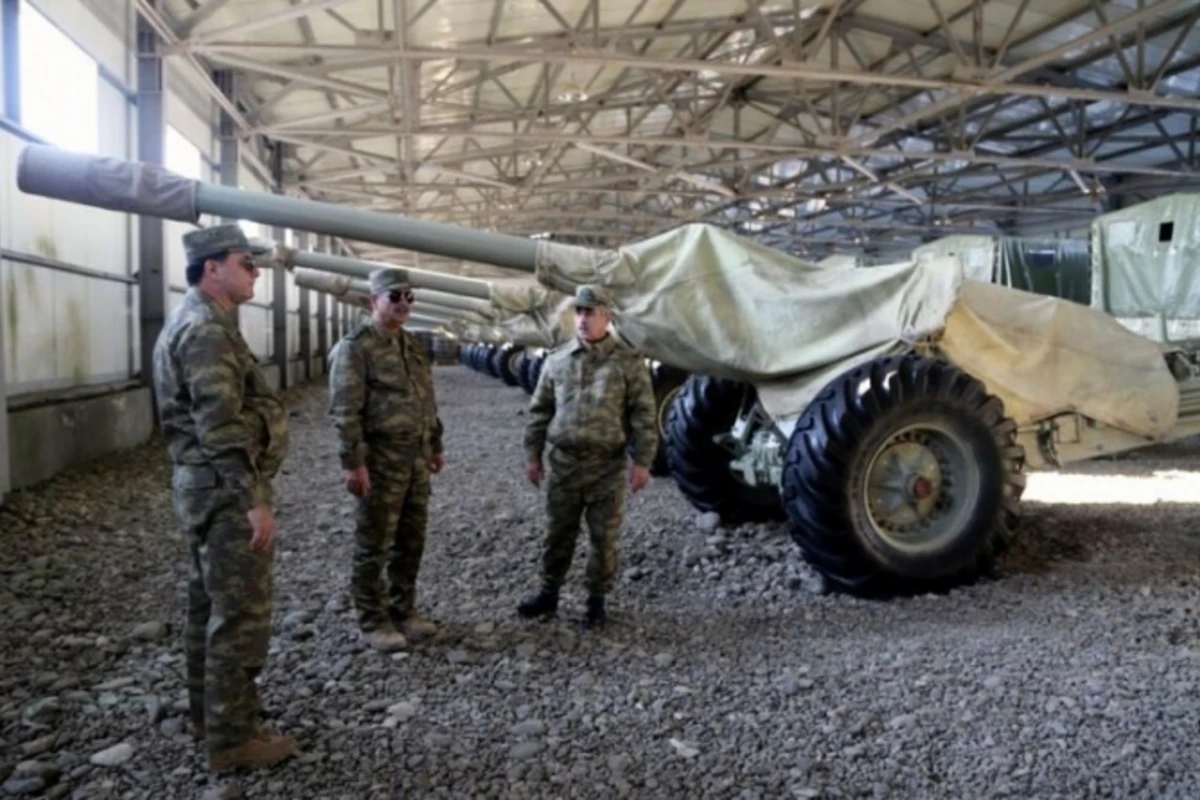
(888,414)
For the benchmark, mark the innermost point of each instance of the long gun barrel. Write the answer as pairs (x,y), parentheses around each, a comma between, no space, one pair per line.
(339,284)
(141,188)
(355,268)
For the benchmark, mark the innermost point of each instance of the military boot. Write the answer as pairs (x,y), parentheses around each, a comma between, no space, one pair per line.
(544,603)
(385,638)
(261,750)
(414,626)
(595,616)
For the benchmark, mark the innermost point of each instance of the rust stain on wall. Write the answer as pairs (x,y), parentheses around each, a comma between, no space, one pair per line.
(45,246)
(11,317)
(76,342)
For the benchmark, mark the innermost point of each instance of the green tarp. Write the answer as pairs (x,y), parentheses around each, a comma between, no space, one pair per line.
(1055,267)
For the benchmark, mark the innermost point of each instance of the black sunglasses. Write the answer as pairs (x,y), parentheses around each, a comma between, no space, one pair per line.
(397,296)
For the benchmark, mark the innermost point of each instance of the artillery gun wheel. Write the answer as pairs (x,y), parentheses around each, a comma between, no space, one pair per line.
(507,363)
(902,477)
(706,407)
(488,361)
(668,382)
(529,371)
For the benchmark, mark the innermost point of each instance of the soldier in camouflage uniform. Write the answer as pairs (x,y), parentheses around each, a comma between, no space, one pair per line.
(226,430)
(593,392)
(389,441)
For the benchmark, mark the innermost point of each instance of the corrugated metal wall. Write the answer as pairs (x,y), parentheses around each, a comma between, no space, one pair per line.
(68,291)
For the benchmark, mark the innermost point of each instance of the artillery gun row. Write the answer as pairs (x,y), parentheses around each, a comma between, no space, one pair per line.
(887,415)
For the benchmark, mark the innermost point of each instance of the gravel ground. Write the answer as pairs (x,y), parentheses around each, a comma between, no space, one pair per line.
(723,673)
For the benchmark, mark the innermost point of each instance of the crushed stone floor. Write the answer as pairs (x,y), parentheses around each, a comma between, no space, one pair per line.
(1075,675)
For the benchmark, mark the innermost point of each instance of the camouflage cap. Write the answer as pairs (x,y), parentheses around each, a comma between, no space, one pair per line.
(387,279)
(591,296)
(207,242)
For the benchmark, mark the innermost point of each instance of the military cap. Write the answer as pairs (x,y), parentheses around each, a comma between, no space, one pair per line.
(208,242)
(387,279)
(591,296)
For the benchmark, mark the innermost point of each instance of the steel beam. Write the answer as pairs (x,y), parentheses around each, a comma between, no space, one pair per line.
(267,20)
(322,308)
(305,320)
(9,11)
(226,81)
(150,14)
(353,59)
(783,148)
(5,474)
(279,300)
(151,131)
(335,325)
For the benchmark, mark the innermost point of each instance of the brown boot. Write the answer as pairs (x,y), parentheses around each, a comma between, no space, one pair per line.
(263,750)
(414,626)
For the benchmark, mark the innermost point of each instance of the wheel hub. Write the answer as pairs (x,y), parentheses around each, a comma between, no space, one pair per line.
(917,488)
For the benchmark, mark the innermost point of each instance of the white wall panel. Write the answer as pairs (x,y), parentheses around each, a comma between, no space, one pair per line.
(293,293)
(256,329)
(60,329)
(114,121)
(75,234)
(92,35)
(176,261)
(293,334)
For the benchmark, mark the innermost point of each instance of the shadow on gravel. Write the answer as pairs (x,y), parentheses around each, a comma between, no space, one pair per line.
(1043,540)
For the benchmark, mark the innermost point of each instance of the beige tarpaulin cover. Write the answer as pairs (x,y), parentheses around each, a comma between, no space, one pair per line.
(530,314)
(706,300)
(1044,356)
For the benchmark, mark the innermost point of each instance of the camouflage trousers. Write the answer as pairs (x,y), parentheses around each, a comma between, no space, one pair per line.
(229,612)
(578,490)
(390,532)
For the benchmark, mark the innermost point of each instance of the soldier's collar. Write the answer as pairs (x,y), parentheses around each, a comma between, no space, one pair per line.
(384,333)
(225,317)
(603,345)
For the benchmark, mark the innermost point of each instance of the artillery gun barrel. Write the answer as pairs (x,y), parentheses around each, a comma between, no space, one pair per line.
(419,278)
(150,190)
(340,284)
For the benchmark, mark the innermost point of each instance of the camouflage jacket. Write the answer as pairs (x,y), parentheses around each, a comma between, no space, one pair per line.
(381,397)
(224,424)
(588,400)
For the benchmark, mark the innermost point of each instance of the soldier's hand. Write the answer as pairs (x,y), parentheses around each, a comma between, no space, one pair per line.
(534,472)
(639,477)
(358,481)
(262,521)
(437,463)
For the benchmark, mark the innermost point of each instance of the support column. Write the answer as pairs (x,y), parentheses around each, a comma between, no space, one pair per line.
(226,81)
(306,355)
(323,345)
(9,9)
(279,313)
(227,133)
(151,132)
(335,320)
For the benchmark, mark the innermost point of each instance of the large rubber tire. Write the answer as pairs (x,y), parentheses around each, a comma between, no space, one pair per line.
(528,371)
(668,383)
(704,408)
(535,372)
(507,363)
(489,362)
(921,413)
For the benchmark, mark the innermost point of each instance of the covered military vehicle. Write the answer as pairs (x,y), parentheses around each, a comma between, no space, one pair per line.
(887,414)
